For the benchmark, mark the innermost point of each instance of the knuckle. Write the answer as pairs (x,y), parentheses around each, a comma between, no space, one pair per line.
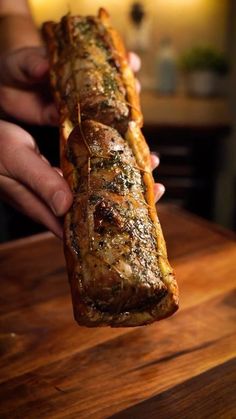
(46,183)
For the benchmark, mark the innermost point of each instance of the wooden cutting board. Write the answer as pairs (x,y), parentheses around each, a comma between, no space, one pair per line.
(182,367)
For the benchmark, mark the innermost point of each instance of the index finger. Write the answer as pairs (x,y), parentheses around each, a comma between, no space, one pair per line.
(23,67)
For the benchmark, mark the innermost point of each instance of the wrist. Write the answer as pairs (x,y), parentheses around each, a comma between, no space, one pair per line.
(14,7)
(25,33)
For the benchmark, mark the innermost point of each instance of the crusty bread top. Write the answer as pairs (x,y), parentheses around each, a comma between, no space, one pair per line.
(85,314)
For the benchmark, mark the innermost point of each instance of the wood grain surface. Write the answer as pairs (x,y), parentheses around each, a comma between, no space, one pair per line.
(182,367)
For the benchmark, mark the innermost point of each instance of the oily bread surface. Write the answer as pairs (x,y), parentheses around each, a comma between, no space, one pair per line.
(84,313)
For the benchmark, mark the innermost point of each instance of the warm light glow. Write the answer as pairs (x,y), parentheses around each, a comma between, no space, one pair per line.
(184,6)
(177,9)
(49,10)
(43,10)
(187,22)
(179,2)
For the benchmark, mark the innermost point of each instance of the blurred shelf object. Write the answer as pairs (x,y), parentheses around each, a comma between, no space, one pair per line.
(188,135)
(184,111)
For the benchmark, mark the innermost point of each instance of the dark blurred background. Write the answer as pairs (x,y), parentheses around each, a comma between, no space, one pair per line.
(188,76)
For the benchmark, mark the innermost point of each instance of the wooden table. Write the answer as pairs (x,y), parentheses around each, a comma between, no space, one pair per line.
(182,367)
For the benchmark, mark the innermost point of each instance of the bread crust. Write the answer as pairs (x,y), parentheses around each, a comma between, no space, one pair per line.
(79,145)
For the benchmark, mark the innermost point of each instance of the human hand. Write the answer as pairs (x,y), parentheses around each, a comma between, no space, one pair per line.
(30,184)
(27,180)
(24,86)
(159,189)
(135,64)
(24,80)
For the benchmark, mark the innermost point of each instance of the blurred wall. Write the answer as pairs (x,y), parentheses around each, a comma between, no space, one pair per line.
(187,21)
(225,209)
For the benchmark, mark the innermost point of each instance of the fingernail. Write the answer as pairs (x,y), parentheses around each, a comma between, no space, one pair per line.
(138,85)
(44,159)
(135,61)
(57,203)
(155,153)
(160,191)
(58,170)
(155,161)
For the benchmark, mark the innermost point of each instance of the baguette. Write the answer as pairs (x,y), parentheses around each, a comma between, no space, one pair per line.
(114,247)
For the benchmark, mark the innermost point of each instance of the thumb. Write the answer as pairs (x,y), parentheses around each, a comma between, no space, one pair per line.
(23,67)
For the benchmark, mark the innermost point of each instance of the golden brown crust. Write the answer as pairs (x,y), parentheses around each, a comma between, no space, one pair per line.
(86,313)
(127,75)
(141,152)
(89,315)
